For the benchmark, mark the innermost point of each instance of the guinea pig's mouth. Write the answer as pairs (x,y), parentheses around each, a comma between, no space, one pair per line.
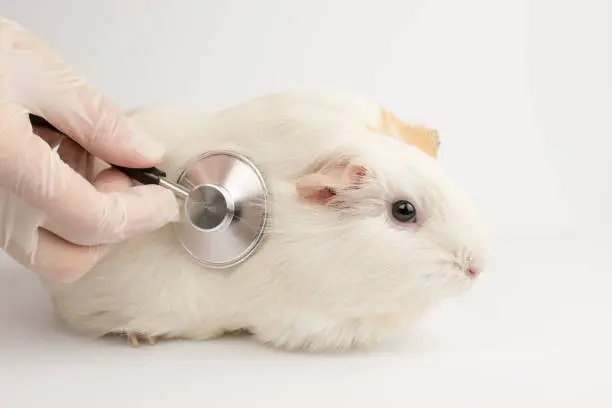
(457,278)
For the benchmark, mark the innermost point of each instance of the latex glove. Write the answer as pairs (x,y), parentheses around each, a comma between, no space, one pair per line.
(53,220)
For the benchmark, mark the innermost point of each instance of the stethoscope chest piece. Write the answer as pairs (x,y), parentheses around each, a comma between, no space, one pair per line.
(224,214)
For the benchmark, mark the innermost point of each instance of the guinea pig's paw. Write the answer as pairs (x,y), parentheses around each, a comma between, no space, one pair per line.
(340,336)
(136,338)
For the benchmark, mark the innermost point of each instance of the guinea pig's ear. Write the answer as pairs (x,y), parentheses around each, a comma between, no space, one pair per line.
(323,185)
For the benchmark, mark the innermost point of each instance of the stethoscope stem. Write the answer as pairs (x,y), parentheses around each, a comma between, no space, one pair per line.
(178,190)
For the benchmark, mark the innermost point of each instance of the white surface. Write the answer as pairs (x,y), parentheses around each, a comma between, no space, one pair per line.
(528,82)
(537,334)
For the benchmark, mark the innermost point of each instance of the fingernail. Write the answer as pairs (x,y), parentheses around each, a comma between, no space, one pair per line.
(146,146)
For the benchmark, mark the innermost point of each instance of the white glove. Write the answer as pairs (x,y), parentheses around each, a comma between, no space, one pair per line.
(52,220)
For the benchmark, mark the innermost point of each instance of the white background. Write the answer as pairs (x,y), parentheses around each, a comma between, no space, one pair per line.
(521,92)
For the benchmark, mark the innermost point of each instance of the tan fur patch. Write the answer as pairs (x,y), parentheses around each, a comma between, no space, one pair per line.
(424,138)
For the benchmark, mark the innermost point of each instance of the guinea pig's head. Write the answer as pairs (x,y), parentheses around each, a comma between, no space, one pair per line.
(374,228)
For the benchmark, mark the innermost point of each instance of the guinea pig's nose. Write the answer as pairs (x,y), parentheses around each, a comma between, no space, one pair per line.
(472,272)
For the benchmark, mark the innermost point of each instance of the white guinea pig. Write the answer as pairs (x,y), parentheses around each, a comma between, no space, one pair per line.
(365,233)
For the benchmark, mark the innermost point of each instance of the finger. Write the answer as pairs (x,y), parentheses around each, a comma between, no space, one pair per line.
(122,215)
(58,260)
(44,84)
(78,212)
(112,180)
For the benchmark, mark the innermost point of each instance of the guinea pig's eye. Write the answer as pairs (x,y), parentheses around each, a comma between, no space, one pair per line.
(404,211)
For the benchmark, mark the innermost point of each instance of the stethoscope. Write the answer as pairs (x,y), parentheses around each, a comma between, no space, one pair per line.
(224,207)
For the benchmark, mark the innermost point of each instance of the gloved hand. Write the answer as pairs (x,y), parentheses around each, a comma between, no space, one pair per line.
(52,219)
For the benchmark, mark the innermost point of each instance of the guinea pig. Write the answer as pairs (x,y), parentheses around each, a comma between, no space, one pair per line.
(365,232)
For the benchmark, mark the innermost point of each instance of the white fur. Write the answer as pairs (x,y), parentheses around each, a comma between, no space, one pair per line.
(325,277)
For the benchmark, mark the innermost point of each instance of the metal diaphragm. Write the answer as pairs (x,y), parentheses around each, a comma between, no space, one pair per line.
(225,212)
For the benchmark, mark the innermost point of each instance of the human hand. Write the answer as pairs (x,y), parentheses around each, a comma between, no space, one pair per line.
(52,219)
